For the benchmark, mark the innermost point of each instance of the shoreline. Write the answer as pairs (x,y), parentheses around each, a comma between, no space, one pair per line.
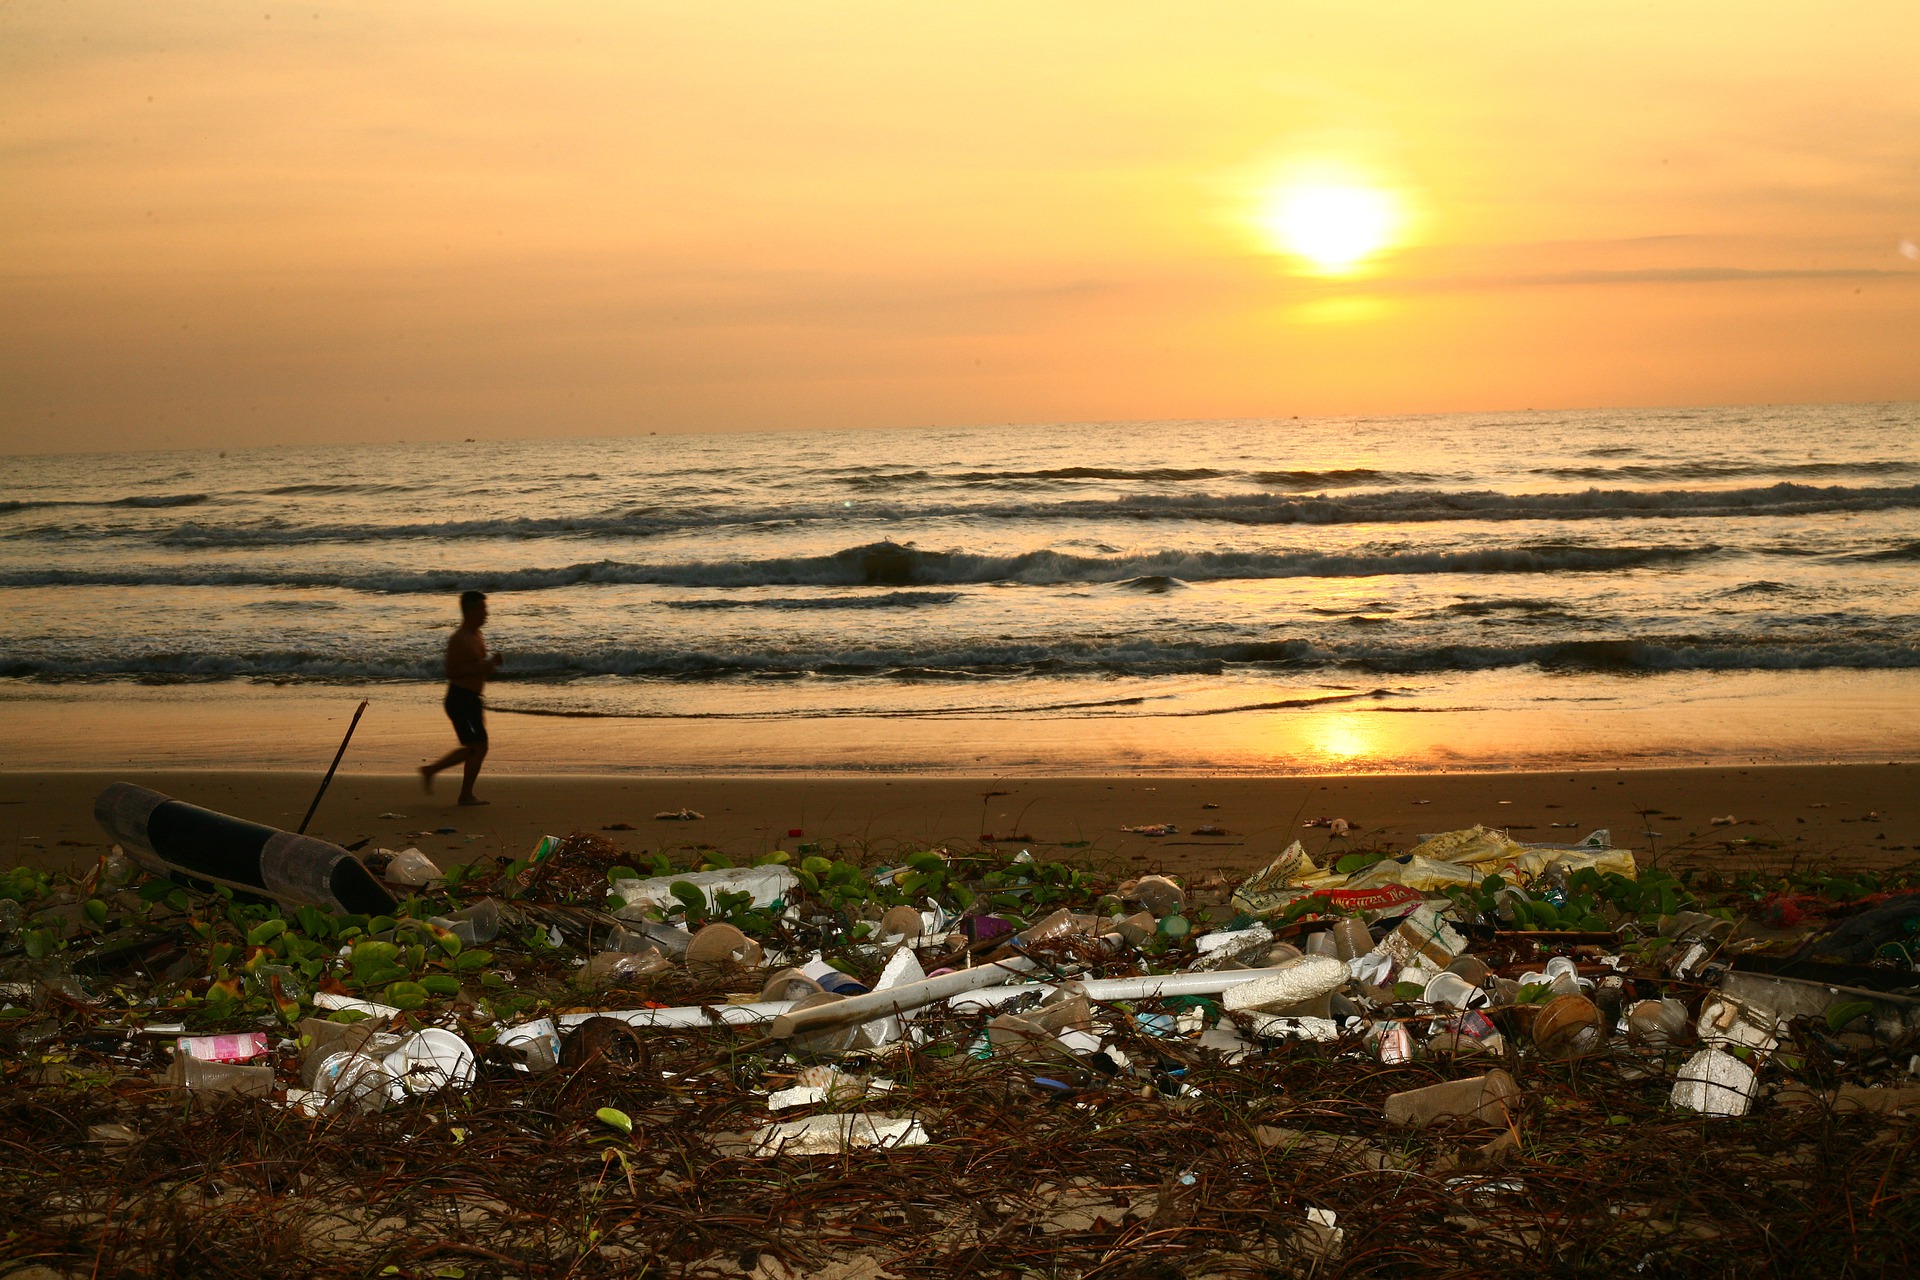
(1855,816)
(1503,722)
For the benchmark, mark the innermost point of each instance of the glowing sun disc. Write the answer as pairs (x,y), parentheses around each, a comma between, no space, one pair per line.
(1333,227)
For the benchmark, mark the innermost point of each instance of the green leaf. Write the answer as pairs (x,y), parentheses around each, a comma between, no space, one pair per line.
(264,932)
(406,995)
(470,960)
(689,894)
(37,943)
(96,910)
(817,865)
(371,958)
(1846,1011)
(614,1118)
(440,984)
(616,874)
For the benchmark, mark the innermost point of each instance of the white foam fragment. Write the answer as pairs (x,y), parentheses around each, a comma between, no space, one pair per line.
(1274,1026)
(801,1095)
(1725,1024)
(835,1135)
(1308,978)
(1715,1084)
(902,970)
(1234,941)
(1078,1042)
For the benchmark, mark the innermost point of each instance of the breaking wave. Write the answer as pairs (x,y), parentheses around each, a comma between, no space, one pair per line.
(141,500)
(1709,470)
(991,659)
(891,600)
(1393,506)
(893,564)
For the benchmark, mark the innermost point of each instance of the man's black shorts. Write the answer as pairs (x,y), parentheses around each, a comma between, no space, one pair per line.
(469,718)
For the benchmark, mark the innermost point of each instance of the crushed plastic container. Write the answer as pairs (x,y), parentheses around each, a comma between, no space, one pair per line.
(1424,936)
(428,1061)
(1726,1022)
(1392,1042)
(1568,1027)
(348,1081)
(718,948)
(220,1077)
(237,1048)
(535,1045)
(412,868)
(1655,1023)
(1159,895)
(1478,1100)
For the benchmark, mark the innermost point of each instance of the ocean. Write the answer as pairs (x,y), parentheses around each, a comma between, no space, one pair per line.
(1471,590)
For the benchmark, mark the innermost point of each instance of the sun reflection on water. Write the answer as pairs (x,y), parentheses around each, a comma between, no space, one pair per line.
(1347,738)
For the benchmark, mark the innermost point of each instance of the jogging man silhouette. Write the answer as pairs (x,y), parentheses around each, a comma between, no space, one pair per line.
(468,666)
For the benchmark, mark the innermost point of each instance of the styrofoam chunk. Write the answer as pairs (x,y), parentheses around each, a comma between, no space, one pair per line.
(1715,1084)
(1308,978)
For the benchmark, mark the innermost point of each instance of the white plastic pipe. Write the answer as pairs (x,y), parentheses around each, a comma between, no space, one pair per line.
(947,986)
(897,1000)
(1209,983)
(372,1008)
(692,1015)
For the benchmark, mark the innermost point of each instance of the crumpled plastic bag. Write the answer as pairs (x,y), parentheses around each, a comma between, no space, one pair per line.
(1425,874)
(1468,857)
(1284,879)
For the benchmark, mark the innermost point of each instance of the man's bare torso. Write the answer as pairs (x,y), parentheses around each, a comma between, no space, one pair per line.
(467,666)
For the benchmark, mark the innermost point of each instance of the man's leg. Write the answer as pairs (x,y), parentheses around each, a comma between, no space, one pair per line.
(447,761)
(475,754)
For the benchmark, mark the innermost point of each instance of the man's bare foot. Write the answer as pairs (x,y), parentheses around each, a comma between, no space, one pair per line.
(426,779)
(472,800)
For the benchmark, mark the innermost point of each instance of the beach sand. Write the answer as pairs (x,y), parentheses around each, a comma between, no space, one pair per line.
(1853,817)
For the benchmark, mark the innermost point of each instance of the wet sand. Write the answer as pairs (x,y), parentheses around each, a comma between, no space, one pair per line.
(1849,816)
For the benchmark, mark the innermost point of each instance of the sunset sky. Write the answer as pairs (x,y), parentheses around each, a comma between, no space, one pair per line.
(226,224)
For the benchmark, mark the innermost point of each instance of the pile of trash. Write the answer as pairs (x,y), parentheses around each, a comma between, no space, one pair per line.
(1472,1049)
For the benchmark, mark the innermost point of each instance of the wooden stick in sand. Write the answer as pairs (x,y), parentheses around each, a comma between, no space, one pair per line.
(328,780)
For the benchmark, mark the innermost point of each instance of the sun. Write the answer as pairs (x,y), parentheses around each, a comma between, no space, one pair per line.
(1333,227)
